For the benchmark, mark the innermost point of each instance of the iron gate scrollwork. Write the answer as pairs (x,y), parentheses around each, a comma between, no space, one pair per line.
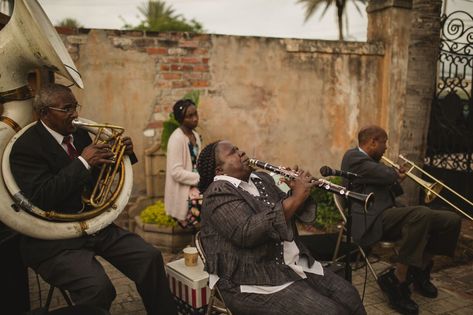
(449,155)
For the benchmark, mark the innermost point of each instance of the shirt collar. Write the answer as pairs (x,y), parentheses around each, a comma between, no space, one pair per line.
(56,135)
(234,181)
(363,151)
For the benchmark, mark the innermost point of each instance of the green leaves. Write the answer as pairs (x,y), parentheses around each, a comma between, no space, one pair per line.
(327,214)
(156,214)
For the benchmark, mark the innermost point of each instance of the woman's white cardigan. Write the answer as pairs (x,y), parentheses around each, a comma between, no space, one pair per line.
(179,175)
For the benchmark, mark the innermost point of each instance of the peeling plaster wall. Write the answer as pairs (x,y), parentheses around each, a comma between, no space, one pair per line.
(291,101)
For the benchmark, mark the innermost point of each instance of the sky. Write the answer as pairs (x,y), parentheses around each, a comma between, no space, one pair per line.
(268,18)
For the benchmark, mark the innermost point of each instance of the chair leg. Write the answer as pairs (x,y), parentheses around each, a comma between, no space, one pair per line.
(49,298)
(211,302)
(375,276)
(66,297)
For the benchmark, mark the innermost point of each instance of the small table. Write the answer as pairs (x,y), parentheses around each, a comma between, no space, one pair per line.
(189,286)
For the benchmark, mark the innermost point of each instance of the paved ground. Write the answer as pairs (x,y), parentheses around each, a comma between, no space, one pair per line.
(455,289)
(455,292)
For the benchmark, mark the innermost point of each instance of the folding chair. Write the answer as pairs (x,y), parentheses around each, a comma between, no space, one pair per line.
(216,303)
(342,209)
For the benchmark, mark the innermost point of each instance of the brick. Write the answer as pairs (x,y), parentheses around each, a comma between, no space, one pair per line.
(164,68)
(200,51)
(169,60)
(200,83)
(201,68)
(157,51)
(179,84)
(177,51)
(205,60)
(189,43)
(77,39)
(192,76)
(190,60)
(154,125)
(176,67)
(171,76)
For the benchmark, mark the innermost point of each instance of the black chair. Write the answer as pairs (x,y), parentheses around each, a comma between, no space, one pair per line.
(216,303)
(340,202)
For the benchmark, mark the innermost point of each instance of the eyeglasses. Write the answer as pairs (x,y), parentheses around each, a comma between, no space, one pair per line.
(68,109)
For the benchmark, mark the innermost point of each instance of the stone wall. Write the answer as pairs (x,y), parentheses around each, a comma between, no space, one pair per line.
(286,101)
(283,100)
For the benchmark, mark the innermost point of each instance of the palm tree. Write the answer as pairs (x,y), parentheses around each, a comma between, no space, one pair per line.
(312,5)
(157,16)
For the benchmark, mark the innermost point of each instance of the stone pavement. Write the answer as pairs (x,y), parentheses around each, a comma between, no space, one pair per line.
(455,292)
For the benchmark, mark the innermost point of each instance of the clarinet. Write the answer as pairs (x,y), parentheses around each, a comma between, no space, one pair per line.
(321,183)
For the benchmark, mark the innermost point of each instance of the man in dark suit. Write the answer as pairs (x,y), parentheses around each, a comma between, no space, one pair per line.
(53,163)
(250,238)
(421,232)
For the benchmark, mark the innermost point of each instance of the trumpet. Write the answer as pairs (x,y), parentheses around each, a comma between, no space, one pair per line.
(321,183)
(431,189)
(105,190)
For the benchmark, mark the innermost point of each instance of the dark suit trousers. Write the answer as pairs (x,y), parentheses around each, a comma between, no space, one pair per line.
(419,230)
(78,271)
(328,294)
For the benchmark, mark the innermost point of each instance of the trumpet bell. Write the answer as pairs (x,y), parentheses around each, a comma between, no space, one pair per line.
(431,191)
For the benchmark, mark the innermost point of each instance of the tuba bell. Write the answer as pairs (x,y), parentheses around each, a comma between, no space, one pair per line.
(29,41)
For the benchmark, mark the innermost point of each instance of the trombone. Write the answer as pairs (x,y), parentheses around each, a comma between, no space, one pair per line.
(432,190)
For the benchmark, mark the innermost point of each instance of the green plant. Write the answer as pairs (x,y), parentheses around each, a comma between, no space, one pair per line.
(171,123)
(155,214)
(327,213)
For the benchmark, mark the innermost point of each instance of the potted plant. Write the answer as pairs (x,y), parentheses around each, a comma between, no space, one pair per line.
(321,237)
(161,230)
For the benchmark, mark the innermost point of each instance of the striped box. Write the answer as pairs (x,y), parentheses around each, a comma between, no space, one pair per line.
(189,284)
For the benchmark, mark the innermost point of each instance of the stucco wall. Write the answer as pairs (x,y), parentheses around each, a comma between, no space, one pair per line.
(283,100)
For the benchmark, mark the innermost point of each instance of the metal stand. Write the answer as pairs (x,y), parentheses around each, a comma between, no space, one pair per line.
(348,271)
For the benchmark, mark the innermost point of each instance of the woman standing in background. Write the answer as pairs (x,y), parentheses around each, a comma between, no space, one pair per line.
(181,176)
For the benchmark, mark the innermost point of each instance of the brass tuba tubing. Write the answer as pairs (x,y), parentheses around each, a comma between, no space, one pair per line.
(367,200)
(430,188)
(102,194)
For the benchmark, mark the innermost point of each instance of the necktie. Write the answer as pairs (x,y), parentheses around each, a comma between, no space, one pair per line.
(71,151)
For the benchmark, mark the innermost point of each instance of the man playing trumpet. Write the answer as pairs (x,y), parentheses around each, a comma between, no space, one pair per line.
(420,232)
(53,162)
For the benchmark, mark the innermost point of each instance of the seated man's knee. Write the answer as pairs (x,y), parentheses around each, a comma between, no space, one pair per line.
(101,292)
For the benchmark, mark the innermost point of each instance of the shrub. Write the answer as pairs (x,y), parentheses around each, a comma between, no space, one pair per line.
(155,214)
(327,213)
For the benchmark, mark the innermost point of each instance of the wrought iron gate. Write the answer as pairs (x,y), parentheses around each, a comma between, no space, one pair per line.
(449,155)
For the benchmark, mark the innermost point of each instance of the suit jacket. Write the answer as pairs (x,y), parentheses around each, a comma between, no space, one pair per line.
(243,236)
(378,178)
(51,181)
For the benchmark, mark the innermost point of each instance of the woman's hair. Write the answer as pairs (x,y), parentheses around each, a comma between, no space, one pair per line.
(180,108)
(206,164)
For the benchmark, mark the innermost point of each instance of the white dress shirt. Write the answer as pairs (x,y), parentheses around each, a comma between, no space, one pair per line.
(59,138)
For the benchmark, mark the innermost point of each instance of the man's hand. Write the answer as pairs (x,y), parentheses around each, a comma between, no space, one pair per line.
(98,154)
(128,145)
(401,172)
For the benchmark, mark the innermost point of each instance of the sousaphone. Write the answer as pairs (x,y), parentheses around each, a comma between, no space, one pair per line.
(29,41)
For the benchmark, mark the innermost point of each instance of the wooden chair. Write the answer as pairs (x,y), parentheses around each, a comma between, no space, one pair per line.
(341,207)
(216,303)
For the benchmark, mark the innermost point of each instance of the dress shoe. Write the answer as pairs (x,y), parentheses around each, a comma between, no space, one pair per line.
(421,280)
(399,294)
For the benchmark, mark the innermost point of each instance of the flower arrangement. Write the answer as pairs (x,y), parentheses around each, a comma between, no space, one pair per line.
(155,214)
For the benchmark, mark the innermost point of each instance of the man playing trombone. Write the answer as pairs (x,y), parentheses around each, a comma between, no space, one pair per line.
(419,231)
